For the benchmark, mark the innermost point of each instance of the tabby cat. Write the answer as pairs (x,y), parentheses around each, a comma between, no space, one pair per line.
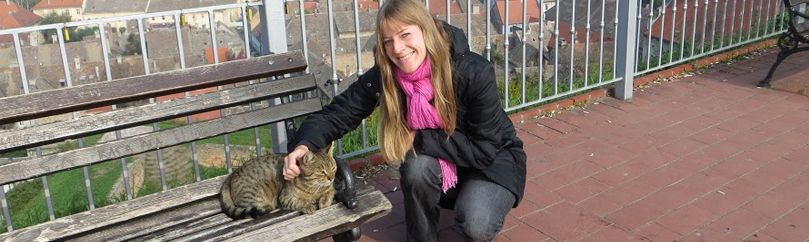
(258,186)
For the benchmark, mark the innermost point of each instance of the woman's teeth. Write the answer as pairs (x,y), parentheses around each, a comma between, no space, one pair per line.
(406,56)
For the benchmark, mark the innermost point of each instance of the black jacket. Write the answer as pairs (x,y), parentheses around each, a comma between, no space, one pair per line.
(484,137)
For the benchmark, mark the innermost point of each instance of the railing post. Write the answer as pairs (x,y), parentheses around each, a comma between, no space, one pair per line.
(273,40)
(625,37)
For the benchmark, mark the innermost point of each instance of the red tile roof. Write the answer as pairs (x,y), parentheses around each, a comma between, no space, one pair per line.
(515,11)
(439,7)
(48,4)
(15,16)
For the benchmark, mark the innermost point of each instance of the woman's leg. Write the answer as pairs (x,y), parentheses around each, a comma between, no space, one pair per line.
(421,186)
(481,208)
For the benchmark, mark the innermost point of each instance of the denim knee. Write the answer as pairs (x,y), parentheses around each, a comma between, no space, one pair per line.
(419,171)
(479,226)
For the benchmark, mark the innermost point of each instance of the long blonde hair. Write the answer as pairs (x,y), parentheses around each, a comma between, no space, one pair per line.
(395,137)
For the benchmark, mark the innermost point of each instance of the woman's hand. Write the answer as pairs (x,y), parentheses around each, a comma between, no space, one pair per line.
(291,169)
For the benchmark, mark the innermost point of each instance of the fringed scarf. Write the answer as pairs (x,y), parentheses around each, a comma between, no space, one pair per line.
(423,115)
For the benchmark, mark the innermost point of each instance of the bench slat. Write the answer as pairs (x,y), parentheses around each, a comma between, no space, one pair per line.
(326,222)
(34,167)
(129,117)
(64,100)
(166,219)
(79,223)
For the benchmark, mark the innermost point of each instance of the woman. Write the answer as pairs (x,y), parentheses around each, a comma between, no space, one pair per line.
(441,122)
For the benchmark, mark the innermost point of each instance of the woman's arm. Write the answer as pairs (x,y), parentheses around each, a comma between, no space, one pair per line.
(342,115)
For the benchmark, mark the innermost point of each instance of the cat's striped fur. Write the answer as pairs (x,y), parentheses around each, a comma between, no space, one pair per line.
(258,186)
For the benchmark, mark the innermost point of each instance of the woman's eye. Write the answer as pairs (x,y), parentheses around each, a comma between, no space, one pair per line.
(405,35)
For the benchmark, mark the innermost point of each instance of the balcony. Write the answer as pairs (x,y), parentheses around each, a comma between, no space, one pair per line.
(641,120)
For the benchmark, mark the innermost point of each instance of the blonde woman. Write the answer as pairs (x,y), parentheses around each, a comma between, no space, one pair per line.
(442,123)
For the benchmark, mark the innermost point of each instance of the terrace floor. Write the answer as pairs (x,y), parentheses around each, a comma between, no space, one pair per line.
(706,157)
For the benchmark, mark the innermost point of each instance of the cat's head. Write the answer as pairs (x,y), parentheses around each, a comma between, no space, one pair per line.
(320,164)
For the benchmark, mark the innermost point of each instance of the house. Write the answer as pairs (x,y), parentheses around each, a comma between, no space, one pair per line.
(515,9)
(232,17)
(309,7)
(96,9)
(13,15)
(72,8)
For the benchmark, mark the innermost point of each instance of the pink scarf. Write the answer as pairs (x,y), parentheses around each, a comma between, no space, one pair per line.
(421,114)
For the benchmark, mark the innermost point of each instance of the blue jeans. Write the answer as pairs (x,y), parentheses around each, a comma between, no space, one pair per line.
(480,205)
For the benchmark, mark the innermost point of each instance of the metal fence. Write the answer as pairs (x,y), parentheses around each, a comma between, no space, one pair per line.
(542,50)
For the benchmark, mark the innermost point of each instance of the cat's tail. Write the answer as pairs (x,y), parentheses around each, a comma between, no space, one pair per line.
(226,202)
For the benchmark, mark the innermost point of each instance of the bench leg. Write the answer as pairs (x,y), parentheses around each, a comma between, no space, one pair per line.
(348,236)
(781,56)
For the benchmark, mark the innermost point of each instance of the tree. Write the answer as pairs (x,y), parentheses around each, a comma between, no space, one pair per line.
(132,45)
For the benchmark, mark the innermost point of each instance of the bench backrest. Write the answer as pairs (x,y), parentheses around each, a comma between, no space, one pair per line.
(84,97)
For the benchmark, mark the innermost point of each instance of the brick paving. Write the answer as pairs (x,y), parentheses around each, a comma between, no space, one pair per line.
(707,157)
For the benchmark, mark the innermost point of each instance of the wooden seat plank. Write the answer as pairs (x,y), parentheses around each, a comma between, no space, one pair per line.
(129,117)
(41,104)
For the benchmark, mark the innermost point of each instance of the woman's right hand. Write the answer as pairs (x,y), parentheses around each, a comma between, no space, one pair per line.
(291,169)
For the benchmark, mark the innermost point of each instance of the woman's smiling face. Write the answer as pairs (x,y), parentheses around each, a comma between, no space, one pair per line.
(404,45)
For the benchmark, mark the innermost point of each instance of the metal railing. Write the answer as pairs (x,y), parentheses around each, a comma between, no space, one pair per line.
(573,50)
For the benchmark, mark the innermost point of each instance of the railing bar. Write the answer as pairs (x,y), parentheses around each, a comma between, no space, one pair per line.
(758,19)
(615,42)
(572,45)
(245,27)
(215,49)
(6,214)
(357,37)
(541,46)
(766,18)
(673,26)
(724,23)
(713,24)
(47,190)
(304,41)
(741,21)
(506,32)
(364,133)
(704,26)
(662,28)
(587,47)
(468,22)
(23,75)
(601,43)
(694,27)
(524,39)
(649,43)
(488,30)
(427,5)
(358,152)
(733,24)
(449,20)
(637,35)
(555,50)
(682,34)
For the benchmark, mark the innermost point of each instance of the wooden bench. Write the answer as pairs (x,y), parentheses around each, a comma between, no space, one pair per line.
(797,34)
(188,212)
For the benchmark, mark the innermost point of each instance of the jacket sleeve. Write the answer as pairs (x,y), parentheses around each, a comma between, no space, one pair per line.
(479,133)
(343,114)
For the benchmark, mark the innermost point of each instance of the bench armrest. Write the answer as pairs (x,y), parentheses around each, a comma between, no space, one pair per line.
(344,184)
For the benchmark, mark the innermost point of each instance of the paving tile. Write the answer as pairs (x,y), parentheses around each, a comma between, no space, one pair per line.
(540,197)
(580,190)
(565,221)
(682,147)
(685,219)
(622,173)
(711,135)
(656,232)
(724,200)
(738,224)
(636,214)
(599,206)
(612,233)
(524,232)
(792,227)
(628,192)
(664,176)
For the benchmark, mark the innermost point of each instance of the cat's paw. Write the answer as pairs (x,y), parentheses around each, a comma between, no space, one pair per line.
(308,209)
